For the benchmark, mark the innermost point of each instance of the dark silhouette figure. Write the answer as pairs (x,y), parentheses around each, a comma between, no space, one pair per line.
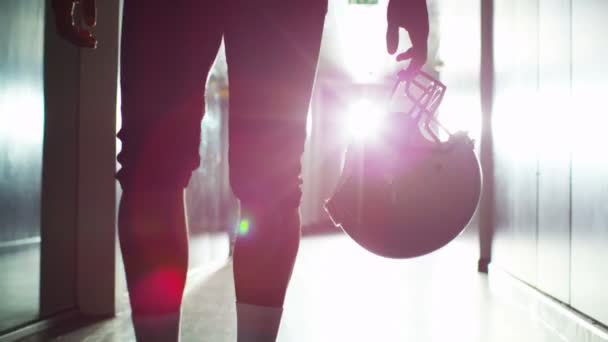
(168,47)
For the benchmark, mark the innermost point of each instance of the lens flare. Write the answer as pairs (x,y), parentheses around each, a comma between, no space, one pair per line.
(244,227)
(363,121)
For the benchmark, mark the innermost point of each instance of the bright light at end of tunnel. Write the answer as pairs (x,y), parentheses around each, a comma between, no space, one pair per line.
(363,120)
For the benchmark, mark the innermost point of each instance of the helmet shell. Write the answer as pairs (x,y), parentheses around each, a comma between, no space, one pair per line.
(409,196)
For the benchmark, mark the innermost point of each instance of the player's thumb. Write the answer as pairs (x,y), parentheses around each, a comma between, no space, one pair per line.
(406,55)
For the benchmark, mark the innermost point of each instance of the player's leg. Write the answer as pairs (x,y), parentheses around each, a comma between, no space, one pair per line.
(167,50)
(272,49)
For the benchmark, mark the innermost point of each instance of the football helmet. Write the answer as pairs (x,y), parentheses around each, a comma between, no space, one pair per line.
(417,188)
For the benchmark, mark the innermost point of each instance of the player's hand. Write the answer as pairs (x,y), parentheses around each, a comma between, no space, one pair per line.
(412,15)
(76,33)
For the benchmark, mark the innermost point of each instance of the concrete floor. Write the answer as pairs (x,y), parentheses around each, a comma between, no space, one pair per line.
(341,293)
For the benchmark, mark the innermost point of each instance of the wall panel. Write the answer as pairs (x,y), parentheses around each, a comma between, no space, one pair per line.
(21,118)
(515,140)
(60,172)
(589,159)
(551,219)
(554,150)
(21,134)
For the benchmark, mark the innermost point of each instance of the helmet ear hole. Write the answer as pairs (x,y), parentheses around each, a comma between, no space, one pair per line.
(412,194)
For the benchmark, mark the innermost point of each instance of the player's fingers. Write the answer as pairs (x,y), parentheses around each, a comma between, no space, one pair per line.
(64,21)
(78,37)
(412,69)
(63,14)
(86,39)
(89,12)
(415,65)
(419,48)
(406,55)
(392,37)
(62,6)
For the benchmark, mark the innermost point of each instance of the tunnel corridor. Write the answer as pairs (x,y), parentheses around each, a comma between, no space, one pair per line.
(526,79)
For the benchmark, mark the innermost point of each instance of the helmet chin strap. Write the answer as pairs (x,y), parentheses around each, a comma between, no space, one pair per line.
(424,106)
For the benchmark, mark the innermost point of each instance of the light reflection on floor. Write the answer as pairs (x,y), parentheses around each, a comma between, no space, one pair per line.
(341,293)
(19,284)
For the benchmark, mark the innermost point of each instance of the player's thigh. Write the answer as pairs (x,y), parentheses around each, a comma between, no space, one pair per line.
(272,51)
(167,50)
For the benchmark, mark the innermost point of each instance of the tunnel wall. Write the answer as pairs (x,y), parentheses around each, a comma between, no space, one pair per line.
(21,118)
(551,190)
